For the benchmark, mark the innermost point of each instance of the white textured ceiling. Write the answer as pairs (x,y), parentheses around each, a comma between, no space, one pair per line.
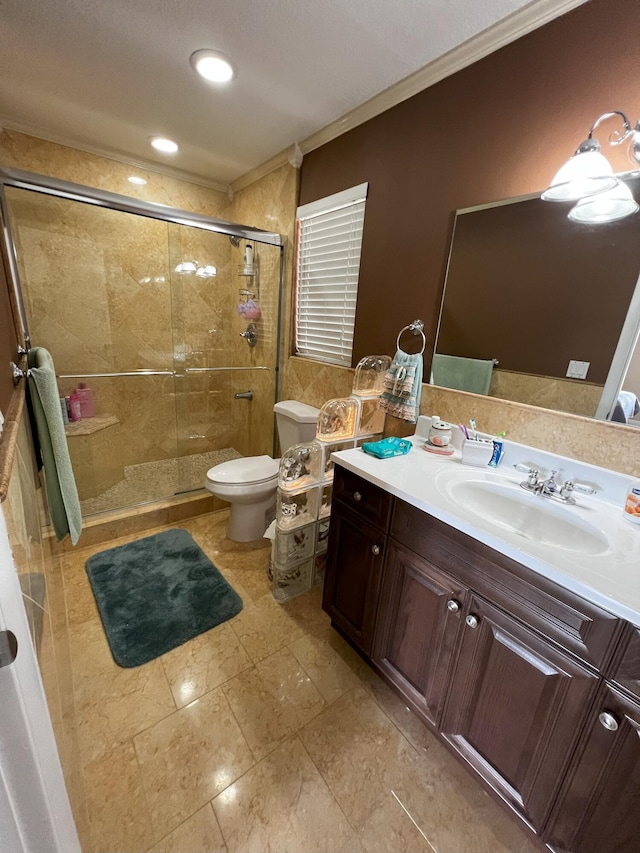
(106,74)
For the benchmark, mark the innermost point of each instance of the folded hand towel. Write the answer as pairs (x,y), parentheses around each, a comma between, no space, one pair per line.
(62,494)
(402,387)
(462,374)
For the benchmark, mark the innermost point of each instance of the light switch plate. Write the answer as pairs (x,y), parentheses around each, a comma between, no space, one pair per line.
(578,369)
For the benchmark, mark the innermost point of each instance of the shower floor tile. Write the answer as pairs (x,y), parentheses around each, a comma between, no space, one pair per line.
(150,481)
(292,743)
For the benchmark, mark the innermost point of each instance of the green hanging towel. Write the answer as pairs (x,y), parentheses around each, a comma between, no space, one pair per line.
(62,494)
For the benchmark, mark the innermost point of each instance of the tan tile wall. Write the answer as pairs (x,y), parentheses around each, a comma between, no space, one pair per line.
(125,322)
(270,203)
(20,151)
(565,395)
(597,442)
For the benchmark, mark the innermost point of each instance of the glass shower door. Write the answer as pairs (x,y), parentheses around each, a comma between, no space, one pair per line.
(216,298)
(96,287)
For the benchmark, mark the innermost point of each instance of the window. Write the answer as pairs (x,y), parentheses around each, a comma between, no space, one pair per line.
(329,242)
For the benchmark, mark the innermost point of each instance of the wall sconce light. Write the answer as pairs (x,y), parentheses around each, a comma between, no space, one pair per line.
(201,270)
(588,177)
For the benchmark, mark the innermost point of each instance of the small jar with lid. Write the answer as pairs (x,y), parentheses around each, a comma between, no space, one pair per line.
(440,434)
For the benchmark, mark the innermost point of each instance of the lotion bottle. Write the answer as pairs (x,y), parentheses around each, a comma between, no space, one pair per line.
(632,503)
(87,404)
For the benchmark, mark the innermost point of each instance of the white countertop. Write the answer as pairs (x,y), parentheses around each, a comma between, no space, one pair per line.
(610,579)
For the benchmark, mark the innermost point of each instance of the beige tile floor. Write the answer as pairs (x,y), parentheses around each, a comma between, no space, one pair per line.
(268,733)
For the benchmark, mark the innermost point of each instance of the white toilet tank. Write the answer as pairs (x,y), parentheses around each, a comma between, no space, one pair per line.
(296,422)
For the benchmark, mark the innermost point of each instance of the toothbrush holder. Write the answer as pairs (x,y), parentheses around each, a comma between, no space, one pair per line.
(477,452)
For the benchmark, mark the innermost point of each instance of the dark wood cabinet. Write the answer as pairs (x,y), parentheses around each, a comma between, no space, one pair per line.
(420,612)
(352,576)
(599,808)
(536,689)
(514,708)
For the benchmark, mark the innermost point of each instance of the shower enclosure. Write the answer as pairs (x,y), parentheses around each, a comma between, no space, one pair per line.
(139,302)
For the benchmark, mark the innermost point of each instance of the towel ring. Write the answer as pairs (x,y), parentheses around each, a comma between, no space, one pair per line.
(416,328)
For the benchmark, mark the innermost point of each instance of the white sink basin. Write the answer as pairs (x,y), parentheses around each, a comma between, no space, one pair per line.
(505,505)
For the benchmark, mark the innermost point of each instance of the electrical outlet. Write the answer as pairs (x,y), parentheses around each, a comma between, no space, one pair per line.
(578,369)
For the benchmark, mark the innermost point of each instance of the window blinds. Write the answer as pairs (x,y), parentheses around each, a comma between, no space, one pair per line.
(329,242)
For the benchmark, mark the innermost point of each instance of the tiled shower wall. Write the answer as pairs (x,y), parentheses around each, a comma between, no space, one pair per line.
(102,297)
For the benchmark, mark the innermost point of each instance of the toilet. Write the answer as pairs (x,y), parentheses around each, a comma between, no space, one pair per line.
(249,484)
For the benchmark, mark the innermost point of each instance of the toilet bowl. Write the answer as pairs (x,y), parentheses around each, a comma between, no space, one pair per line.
(249,484)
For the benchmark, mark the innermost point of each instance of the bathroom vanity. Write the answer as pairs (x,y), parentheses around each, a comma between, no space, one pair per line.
(511,649)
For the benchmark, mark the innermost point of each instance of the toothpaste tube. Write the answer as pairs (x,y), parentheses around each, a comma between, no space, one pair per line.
(498,451)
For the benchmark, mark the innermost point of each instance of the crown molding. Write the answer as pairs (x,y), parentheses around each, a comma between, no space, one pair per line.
(518,24)
(148,165)
(290,155)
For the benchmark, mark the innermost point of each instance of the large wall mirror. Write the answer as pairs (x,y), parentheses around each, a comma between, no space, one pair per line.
(531,296)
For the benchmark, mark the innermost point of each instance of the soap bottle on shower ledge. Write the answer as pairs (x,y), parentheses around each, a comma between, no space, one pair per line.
(87,404)
(248,259)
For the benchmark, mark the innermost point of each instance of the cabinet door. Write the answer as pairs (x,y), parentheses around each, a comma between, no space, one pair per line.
(514,709)
(421,609)
(352,576)
(599,807)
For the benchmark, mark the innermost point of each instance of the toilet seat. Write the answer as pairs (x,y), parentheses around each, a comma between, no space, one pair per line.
(245,471)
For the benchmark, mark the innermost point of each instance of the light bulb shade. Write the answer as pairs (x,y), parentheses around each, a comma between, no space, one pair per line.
(586,173)
(605,207)
(207,271)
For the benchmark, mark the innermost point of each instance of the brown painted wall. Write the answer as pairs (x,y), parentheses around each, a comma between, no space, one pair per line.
(497,129)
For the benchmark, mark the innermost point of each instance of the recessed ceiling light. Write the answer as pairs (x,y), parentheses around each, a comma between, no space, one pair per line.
(134,179)
(211,65)
(160,143)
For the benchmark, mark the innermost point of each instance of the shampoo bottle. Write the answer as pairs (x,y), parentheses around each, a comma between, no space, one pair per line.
(87,404)
(248,259)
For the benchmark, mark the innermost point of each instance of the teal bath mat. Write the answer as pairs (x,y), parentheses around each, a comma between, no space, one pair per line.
(156,593)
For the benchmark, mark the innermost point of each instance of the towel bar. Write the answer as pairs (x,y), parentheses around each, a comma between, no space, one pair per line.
(17,373)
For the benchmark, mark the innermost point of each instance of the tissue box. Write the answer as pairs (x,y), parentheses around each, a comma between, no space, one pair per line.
(477,452)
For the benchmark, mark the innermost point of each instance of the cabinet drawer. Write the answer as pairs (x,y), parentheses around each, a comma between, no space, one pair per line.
(370,502)
(569,620)
(626,666)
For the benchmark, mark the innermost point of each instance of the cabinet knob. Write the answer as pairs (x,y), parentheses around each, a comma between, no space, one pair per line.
(357,496)
(608,720)
(453,606)
(472,621)
(375,550)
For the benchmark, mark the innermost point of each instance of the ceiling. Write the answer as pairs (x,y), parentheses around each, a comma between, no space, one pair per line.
(104,76)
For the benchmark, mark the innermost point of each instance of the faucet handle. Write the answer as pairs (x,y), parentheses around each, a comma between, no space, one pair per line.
(525,469)
(532,478)
(573,486)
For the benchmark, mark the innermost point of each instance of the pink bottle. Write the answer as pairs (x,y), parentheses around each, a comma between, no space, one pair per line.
(76,412)
(87,404)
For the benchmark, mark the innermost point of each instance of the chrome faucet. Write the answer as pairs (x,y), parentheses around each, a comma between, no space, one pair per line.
(551,488)
(250,334)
